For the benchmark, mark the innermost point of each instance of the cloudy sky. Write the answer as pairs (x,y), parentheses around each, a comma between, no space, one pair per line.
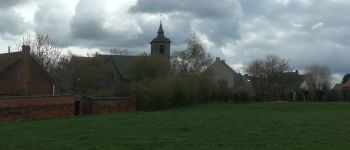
(302,31)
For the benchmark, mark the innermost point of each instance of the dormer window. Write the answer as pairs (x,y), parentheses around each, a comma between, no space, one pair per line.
(161,49)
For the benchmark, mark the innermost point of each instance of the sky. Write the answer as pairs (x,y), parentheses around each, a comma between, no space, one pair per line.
(304,32)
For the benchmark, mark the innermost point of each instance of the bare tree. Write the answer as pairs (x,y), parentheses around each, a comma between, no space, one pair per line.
(267,75)
(193,60)
(43,49)
(117,51)
(317,77)
(255,68)
(270,67)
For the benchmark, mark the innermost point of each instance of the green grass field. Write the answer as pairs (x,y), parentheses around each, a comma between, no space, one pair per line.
(269,126)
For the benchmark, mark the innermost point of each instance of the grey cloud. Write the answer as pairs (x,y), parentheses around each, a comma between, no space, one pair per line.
(11,3)
(53,18)
(87,23)
(271,25)
(219,21)
(246,29)
(88,27)
(199,8)
(11,23)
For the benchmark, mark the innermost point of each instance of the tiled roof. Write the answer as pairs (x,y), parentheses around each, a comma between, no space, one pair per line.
(7,59)
(345,78)
(346,84)
(338,86)
(121,63)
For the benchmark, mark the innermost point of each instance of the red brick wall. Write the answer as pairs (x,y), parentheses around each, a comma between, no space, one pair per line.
(102,107)
(109,106)
(21,108)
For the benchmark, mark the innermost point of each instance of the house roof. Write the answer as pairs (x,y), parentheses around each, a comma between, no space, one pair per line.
(77,60)
(222,62)
(121,62)
(338,86)
(293,78)
(7,59)
(346,84)
(345,78)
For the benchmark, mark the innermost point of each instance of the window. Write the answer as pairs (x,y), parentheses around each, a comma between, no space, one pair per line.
(161,49)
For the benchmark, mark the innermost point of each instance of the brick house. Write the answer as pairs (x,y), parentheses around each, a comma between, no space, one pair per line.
(20,74)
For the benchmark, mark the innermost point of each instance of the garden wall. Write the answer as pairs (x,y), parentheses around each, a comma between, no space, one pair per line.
(93,106)
(23,108)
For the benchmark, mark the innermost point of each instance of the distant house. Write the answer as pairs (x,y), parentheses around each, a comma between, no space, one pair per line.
(20,74)
(223,72)
(294,80)
(290,80)
(117,65)
(345,84)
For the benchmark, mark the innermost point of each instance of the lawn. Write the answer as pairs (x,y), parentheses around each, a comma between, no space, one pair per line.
(269,126)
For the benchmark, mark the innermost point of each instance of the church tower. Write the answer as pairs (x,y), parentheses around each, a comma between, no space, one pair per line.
(161,44)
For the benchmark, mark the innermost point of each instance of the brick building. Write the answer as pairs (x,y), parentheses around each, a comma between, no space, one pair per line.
(20,74)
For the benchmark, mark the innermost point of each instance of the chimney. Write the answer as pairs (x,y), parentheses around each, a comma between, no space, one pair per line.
(9,49)
(25,49)
(217,58)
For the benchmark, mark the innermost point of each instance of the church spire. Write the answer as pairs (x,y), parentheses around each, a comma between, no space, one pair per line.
(160,30)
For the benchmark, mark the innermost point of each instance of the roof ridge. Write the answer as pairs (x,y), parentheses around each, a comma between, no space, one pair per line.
(223,62)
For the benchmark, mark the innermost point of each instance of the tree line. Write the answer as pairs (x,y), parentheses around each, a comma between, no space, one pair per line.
(159,84)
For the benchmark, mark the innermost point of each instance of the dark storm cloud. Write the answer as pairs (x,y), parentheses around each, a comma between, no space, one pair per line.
(87,23)
(199,8)
(218,20)
(53,18)
(93,27)
(10,21)
(88,27)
